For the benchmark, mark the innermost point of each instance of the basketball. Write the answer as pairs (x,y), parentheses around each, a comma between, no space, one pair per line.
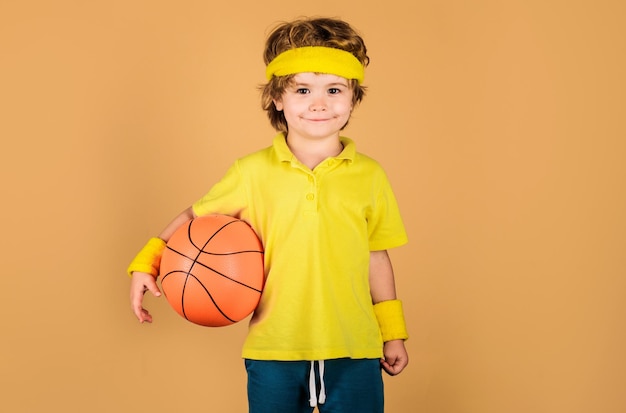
(212,270)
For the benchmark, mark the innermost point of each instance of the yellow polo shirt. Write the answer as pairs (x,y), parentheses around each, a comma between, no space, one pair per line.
(318,228)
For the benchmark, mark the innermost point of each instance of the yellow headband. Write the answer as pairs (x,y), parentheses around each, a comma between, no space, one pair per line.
(316,59)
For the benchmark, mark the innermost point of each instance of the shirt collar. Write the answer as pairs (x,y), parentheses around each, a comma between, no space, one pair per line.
(284,154)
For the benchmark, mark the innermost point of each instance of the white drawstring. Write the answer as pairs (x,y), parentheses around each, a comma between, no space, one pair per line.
(313,400)
(322,387)
(312,390)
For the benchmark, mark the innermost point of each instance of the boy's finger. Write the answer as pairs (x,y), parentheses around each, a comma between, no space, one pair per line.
(154,290)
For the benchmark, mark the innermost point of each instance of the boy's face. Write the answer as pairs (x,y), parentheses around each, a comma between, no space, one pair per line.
(316,106)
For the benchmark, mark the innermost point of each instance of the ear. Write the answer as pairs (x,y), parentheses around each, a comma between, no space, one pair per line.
(278,104)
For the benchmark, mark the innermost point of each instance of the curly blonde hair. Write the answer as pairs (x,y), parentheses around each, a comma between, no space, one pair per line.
(327,32)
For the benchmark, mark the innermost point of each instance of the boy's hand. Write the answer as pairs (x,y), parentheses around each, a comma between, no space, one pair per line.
(396,357)
(139,284)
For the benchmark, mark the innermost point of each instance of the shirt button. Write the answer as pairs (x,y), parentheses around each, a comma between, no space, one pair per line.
(310,178)
(310,197)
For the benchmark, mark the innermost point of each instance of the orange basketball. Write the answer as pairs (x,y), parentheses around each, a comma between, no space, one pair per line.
(212,270)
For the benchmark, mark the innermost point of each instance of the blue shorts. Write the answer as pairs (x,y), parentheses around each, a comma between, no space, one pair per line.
(334,386)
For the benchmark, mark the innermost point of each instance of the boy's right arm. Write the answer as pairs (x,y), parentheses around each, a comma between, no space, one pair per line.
(142,282)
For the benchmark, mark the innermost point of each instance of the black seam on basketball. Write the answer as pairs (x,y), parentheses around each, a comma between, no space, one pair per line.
(210,296)
(182,294)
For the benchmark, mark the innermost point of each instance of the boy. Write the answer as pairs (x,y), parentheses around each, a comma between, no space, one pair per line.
(328,318)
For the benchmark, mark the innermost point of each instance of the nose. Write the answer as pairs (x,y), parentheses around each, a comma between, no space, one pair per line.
(318,104)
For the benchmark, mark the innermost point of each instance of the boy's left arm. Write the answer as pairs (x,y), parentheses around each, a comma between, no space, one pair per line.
(383,289)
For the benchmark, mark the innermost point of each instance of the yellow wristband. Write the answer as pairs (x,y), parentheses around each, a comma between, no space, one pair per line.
(391,320)
(149,258)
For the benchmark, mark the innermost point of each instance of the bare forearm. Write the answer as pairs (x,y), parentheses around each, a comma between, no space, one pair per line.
(383,289)
(382,282)
(183,217)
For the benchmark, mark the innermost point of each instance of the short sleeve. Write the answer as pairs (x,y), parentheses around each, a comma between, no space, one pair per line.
(385,226)
(227,197)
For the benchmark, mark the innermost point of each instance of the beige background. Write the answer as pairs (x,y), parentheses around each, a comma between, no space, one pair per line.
(500,123)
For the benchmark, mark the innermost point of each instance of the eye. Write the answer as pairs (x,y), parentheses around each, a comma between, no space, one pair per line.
(334,91)
(302,91)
